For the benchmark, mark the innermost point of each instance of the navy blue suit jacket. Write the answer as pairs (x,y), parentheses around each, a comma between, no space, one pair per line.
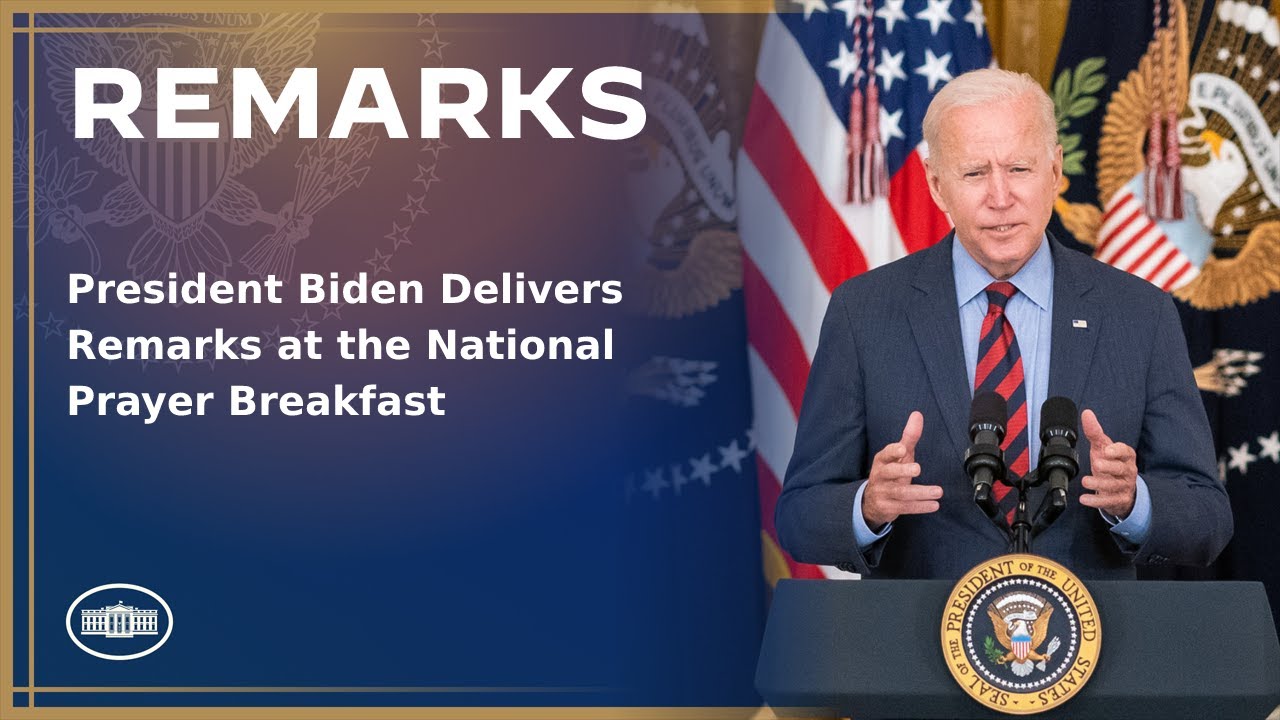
(890,344)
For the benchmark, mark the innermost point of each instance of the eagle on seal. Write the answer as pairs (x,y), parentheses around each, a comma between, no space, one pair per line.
(1021,623)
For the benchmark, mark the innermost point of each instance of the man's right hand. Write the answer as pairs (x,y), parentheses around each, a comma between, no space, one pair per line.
(889,491)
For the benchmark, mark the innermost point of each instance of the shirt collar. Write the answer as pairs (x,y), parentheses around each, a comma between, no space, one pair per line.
(1034,279)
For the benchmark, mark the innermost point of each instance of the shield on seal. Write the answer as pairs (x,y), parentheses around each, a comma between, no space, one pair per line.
(178,177)
(1021,646)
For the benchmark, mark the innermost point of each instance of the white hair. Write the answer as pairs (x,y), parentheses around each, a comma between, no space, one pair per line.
(986,86)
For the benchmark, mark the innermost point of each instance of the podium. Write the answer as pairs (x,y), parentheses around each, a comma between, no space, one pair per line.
(871,649)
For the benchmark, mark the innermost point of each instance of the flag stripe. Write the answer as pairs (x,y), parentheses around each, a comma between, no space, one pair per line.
(919,220)
(1154,255)
(775,424)
(1147,236)
(1123,211)
(1173,282)
(769,144)
(781,257)
(1132,211)
(783,354)
(1131,232)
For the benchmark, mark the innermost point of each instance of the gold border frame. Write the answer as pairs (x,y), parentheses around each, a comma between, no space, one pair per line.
(8,9)
(6,366)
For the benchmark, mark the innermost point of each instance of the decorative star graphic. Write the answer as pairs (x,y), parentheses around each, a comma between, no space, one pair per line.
(890,68)
(1270,447)
(851,9)
(52,326)
(751,439)
(846,63)
(732,456)
(333,310)
(678,480)
(434,146)
(891,125)
(1240,458)
(413,203)
(22,308)
(653,482)
(380,262)
(177,365)
(434,45)
(891,13)
(703,469)
(399,236)
(938,12)
(426,176)
(271,338)
(935,68)
(426,19)
(977,18)
(810,6)
(302,324)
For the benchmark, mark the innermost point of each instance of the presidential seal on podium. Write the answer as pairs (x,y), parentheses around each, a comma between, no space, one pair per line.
(1021,634)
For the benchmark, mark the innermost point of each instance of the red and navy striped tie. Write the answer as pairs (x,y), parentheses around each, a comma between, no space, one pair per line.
(1000,371)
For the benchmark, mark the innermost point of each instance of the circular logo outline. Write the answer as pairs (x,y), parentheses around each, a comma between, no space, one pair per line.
(962,604)
(119,586)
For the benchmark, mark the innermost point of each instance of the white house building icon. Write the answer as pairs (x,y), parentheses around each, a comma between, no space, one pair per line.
(119,620)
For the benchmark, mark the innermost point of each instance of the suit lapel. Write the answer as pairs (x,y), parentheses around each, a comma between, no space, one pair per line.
(935,324)
(1076,323)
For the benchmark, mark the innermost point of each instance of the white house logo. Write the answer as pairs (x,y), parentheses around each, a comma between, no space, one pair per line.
(119,621)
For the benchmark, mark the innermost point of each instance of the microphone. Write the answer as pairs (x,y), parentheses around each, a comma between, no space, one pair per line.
(1058,457)
(984,461)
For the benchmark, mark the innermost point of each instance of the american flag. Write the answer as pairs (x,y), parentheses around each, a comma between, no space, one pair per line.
(801,237)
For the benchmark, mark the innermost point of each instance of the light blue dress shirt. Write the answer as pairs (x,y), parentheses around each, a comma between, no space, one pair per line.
(1030,311)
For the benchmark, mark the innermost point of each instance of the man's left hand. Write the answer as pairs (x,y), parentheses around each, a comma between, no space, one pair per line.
(1114,481)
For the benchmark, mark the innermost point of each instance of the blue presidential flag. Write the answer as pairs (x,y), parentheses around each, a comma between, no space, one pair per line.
(1168,117)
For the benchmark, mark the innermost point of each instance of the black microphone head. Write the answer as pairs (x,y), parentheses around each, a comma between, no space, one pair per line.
(1058,419)
(988,408)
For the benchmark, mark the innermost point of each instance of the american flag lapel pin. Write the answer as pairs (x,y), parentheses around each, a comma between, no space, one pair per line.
(1082,324)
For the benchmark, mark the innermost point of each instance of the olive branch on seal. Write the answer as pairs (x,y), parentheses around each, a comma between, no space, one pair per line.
(989,648)
(1074,97)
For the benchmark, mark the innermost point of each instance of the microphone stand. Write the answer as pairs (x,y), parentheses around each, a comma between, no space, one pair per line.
(1020,530)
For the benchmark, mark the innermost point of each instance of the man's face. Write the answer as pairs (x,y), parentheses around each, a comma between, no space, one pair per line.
(995,177)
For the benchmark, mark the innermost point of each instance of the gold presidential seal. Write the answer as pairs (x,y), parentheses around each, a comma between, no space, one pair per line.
(1021,634)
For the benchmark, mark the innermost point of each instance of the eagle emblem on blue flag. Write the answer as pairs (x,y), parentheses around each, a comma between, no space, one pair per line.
(1188,195)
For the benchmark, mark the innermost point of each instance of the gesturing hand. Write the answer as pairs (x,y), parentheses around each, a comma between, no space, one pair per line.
(1114,481)
(889,491)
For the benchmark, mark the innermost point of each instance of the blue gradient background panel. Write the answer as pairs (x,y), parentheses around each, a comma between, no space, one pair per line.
(493,556)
